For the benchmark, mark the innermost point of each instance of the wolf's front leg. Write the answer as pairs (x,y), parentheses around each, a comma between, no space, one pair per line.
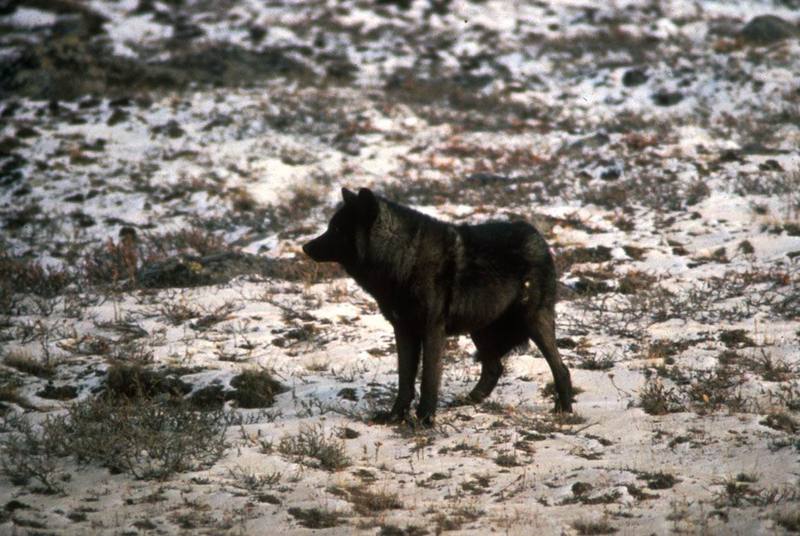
(408,350)
(432,347)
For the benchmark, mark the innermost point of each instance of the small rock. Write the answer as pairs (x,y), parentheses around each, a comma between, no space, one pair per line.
(184,30)
(10,109)
(610,174)
(63,392)
(667,98)
(589,287)
(731,155)
(171,129)
(120,102)
(348,393)
(485,179)
(746,247)
(128,233)
(257,33)
(27,132)
(89,102)
(634,77)
(117,116)
(82,219)
(768,29)
(402,4)
(770,165)
(589,142)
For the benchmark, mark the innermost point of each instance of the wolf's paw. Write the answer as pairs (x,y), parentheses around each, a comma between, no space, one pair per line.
(424,419)
(562,408)
(388,417)
(476,397)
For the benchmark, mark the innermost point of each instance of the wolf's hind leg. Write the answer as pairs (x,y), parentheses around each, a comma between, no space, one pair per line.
(543,333)
(492,343)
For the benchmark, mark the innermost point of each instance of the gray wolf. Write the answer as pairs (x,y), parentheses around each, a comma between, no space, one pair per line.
(495,281)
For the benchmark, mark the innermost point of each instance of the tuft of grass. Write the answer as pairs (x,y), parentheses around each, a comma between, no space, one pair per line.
(9,392)
(735,338)
(409,530)
(25,362)
(716,389)
(455,519)
(178,313)
(507,459)
(635,281)
(255,389)
(252,482)
(788,396)
(310,446)
(781,421)
(595,362)
(769,368)
(789,520)
(135,381)
(478,485)
(659,480)
(593,527)
(367,502)
(303,201)
(315,518)
(656,399)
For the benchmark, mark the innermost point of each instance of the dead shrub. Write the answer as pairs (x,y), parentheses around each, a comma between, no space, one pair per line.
(18,275)
(113,263)
(29,452)
(148,438)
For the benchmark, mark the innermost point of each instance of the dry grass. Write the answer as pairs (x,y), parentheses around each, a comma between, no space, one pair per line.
(25,362)
(312,447)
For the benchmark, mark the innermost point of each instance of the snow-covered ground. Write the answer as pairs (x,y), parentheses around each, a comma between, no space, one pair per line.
(654,144)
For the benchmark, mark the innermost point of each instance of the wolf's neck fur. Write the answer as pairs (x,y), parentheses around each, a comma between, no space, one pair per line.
(391,247)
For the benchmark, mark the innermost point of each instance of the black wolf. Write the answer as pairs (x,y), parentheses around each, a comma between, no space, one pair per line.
(495,281)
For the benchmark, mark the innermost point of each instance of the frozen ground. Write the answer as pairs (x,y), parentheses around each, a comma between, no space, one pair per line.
(161,163)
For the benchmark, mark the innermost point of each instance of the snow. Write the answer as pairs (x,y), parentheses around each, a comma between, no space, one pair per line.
(283,139)
(28,18)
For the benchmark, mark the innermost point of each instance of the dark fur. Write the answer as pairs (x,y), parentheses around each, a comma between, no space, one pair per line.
(495,281)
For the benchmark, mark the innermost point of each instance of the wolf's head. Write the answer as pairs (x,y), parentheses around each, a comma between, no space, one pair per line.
(348,226)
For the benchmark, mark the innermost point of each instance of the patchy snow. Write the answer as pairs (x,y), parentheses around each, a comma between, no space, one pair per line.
(669,197)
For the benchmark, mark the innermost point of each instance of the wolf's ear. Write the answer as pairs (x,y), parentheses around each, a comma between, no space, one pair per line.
(348,196)
(367,204)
